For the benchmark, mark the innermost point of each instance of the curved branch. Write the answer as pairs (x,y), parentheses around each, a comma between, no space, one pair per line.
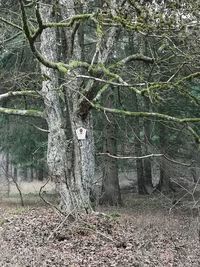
(31,40)
(39,128)
(145,157)
(166,85)
(137,57)
(145,114)
(71,21)
(131,157)
(32,37)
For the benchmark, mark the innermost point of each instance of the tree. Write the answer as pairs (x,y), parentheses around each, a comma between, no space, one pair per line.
(110,184)
(79,66)
(74,186)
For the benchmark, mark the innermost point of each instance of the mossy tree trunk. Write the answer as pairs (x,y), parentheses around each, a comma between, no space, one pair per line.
(71,165)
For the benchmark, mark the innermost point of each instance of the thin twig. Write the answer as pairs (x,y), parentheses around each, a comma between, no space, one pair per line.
(17,186)
(46,201)
(130,157)
(38,128)
(144,157)
(98,232)
(61,224)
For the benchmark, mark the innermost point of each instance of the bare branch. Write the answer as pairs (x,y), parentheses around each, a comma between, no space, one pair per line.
(137,57)
(16,184)
(17,93)
(11,24)
(38,128)
(131,157)
(145,157)
(146,114)
(11,38)
(31,40)
(70,21)
(110,82)
(22,112)
(46,201)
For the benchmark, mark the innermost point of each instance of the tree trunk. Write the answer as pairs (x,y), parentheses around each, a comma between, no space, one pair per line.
(7,156)
(164,182)
(7,164)
(82,174)
(40,174)
(147,161)
(138,152)
(15,174)
(31,174)
(25,174)
(110,184)
(139,162)
(71,166)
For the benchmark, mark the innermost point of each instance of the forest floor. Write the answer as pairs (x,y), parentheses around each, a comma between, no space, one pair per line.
(143,234)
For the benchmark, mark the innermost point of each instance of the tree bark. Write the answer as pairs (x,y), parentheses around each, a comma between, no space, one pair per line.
(70,165)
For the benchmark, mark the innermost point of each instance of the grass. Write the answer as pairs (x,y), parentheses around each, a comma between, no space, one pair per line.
(30,193)
(32,187)
(131,201)
(30,199)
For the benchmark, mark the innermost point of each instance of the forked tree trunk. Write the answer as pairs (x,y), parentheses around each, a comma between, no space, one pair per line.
(71,167)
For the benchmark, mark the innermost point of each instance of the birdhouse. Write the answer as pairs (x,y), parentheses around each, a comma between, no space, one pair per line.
(81,133)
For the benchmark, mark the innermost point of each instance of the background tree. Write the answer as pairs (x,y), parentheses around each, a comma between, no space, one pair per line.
(110,183)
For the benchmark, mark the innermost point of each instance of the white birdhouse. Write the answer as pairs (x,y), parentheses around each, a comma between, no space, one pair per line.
(81,133)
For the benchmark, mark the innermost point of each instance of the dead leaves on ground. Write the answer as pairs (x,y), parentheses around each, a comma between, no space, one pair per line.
(40,237)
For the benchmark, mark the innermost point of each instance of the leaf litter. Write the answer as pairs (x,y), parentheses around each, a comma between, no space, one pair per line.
(40,237)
